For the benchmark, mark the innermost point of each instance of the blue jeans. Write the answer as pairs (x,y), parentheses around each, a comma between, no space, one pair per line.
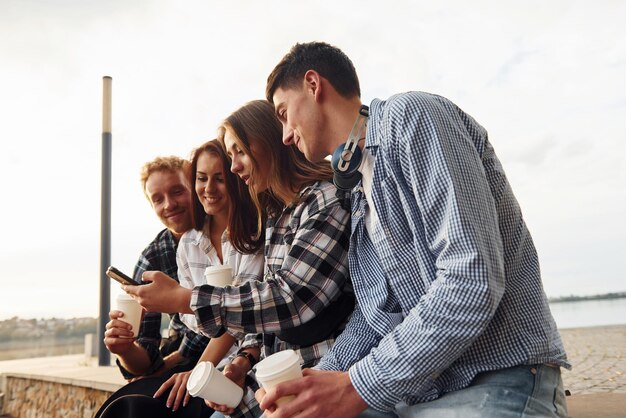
(521,391)
(372,413)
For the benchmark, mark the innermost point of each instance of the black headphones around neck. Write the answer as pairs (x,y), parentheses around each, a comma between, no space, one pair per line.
(347,157)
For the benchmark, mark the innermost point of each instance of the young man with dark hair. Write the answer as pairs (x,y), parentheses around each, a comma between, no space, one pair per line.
(451,316)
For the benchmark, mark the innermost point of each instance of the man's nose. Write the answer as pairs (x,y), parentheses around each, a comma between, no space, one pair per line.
(169,202)
(287,135)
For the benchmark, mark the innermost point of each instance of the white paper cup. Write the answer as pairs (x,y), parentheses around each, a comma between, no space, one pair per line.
(219,276)
(277,368)
(210,384)
(132,312)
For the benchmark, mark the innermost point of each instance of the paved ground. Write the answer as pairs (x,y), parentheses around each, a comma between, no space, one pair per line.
(598,355)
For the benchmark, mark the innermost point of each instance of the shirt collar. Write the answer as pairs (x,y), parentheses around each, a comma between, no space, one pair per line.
(372,140)
(302,192)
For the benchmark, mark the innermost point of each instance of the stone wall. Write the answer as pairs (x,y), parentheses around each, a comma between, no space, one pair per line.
(32,398)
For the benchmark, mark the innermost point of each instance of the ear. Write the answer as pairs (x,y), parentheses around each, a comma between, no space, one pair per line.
(313,84)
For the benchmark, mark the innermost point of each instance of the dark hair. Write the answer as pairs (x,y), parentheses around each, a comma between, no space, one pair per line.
(289,170)
(330,62)
(243,230)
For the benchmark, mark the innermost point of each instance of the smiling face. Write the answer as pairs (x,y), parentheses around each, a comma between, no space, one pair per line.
(170,196)
(210,185)
(254,175)
(301,118)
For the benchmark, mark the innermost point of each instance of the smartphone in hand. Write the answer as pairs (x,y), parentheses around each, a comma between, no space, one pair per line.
(117,275)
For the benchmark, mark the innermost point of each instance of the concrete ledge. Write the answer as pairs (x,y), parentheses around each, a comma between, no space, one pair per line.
(63,386)
(70,369)
(86,381)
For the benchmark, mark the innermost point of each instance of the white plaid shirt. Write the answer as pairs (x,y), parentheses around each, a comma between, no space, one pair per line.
(196,253)
(449,285)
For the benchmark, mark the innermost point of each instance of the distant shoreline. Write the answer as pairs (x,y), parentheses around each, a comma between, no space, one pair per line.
(604,296)
(559,299)
(48,347)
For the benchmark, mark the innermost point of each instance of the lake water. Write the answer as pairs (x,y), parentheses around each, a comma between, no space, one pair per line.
(45,347)
(589,313)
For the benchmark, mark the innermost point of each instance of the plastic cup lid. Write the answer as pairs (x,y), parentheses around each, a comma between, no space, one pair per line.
(277,363)
(125,296)
(200,374)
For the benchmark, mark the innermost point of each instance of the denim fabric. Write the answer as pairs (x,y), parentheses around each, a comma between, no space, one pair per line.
(522,391)
(372,413)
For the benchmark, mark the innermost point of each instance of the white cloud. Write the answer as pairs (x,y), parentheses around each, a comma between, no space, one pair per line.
(545,79)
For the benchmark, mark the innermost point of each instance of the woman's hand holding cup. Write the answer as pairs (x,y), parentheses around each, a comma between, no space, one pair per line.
(237,373)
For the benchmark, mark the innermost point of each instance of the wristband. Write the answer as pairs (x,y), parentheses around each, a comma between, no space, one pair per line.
(249,356)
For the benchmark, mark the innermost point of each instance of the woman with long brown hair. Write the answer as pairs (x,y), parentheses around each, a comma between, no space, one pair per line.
(212,241)
(222,213)
(305,298)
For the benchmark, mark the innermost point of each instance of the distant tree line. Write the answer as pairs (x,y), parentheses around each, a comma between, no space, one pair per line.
(572,298)
(31,329)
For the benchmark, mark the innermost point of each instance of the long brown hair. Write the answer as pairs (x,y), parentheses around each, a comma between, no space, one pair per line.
(242,221)
(289,170)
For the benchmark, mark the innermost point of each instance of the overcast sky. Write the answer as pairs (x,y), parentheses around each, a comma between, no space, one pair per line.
(546,79)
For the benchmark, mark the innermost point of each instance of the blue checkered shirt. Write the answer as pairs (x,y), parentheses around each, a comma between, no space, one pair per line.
(448,285)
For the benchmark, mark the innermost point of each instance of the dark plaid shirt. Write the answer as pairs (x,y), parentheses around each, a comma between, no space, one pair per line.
(306,269)
(160,255)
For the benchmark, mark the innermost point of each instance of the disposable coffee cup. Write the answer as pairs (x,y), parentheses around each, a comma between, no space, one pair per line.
(219,276)
(277,368)
(208,383)
(132,312)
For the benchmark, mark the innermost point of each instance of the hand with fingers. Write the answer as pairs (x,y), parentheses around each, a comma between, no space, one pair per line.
(319,393)
(118,337)
(178,394)
(160,294)
(236,373)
